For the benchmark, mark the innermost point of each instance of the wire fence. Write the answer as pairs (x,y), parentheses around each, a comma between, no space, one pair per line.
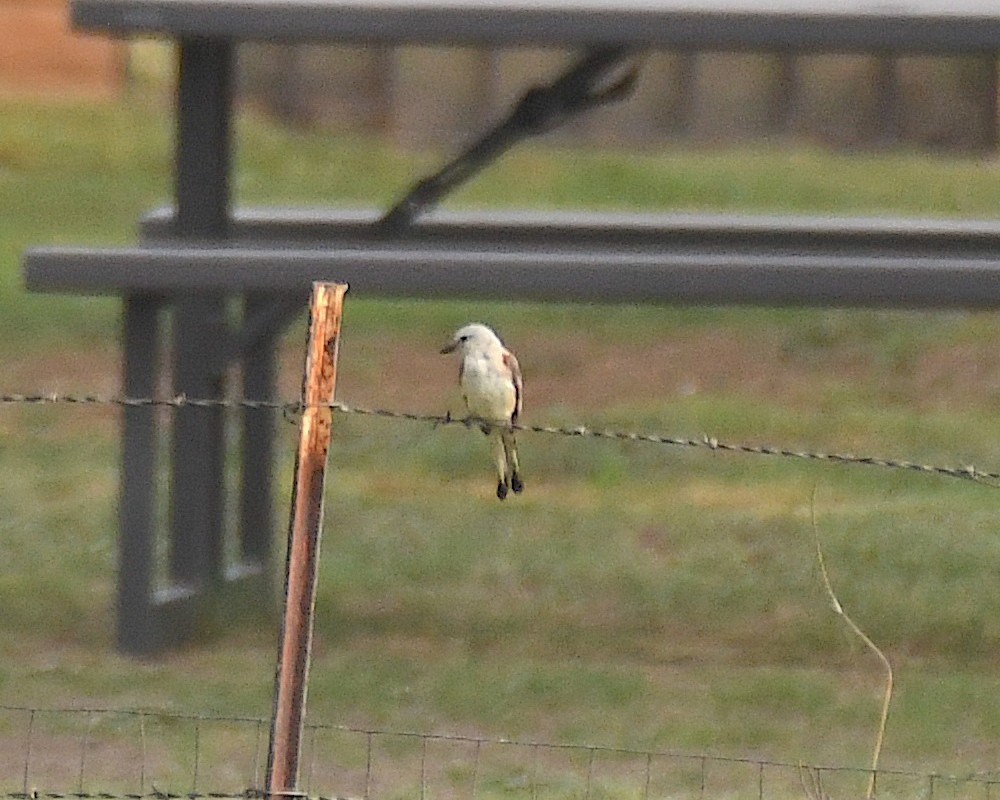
(107,754)
(291,410)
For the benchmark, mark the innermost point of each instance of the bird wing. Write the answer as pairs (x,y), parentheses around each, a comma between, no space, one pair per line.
(510,362)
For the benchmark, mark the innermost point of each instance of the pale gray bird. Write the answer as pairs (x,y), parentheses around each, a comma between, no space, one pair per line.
(490,379)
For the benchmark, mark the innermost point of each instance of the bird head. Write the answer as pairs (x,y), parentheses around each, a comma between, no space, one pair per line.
(472,336)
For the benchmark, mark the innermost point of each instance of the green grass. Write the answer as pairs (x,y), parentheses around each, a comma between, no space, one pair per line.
(636,595)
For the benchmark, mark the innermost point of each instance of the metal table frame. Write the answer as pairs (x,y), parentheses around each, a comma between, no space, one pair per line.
(205,342)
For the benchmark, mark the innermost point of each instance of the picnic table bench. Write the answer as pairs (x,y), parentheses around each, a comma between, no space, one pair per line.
(200,253)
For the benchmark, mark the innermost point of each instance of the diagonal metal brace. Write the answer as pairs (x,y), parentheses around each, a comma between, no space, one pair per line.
(541,109)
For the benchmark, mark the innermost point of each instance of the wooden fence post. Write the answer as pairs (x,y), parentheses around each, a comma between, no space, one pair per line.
(295,641)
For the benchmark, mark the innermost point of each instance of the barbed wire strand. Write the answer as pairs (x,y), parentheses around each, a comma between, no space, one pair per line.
(292,409)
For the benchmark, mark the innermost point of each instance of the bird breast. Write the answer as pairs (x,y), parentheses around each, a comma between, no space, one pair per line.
(488,389)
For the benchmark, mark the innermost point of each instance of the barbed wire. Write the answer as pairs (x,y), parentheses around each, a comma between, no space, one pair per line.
(290,410)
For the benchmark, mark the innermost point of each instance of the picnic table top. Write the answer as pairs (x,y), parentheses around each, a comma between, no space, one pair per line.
(854,25)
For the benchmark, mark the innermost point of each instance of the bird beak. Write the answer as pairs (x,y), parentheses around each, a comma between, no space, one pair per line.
(449,348)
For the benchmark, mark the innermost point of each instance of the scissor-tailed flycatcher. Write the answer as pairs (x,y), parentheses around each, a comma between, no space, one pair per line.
(490,379)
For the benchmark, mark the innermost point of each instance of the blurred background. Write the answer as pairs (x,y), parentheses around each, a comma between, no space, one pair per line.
(635,596)
(420,96)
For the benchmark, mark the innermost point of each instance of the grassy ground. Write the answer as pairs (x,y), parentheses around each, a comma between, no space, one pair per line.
(636,596)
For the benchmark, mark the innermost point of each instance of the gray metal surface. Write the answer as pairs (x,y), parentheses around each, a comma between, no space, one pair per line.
(138,631)
(529,230)
(197,499)
(636,276)
(865,25)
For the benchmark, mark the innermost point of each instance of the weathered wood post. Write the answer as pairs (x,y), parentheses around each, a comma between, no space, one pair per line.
(295,641)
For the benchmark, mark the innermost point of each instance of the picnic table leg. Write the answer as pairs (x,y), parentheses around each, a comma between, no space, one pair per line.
(198,453)
(148,619)
(203,148)
(137,628)
(204,109)
(203,346)
(257,486)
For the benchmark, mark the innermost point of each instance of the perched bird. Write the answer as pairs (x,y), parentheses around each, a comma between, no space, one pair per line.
(490,379)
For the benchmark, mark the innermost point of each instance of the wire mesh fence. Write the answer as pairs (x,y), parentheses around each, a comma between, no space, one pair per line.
(108,754)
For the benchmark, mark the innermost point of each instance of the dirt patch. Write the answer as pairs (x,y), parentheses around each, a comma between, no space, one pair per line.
(578,371)
(94,371)
(53,762)
(569,370)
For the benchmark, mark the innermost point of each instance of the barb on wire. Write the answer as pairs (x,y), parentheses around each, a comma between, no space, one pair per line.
(291,410)
(177,401)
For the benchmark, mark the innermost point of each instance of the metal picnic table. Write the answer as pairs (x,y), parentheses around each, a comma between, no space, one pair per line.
(201,252)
